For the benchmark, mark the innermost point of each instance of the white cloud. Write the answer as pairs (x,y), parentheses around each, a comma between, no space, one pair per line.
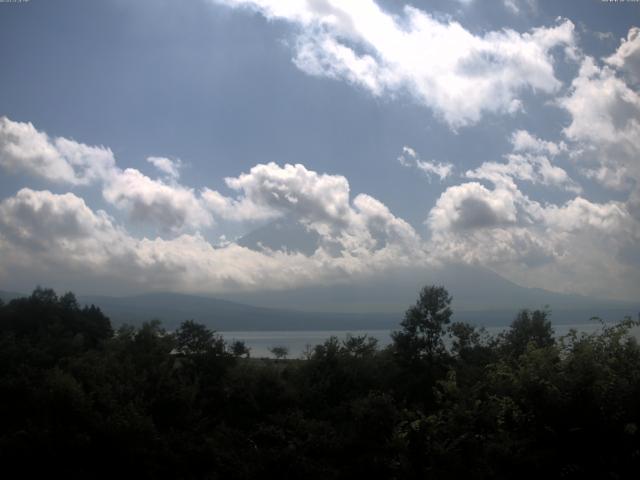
(318,199)
(38,217)
(25,149)
(409,158)
(524,141)
(473,224)
(236,210)
(529,162)
(170,206)
(321,202)
(409,151)
(43,235)
(470,206)
(605,125)
(579,214)
(627,57)
(566,246)
(49,236)
(532,168)
(442,170)
(383,226)
(169,167)
(442,65)
(518,7)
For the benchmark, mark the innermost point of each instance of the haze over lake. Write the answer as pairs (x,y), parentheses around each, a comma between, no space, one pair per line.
(300,343)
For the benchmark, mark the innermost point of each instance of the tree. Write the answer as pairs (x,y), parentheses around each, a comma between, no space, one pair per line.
(360,345)
(528,327)
(423,325)
(196,339)
(279,352)
(68,301)
(238,349)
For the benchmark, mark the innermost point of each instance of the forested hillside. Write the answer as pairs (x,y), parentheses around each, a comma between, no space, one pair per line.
(80,400)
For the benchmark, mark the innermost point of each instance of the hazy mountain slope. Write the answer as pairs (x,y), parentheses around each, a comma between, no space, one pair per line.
(8,296)
(282,234)
(473,289)
(478,293)
(173,308)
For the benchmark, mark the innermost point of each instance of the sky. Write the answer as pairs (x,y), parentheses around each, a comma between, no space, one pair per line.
(139,141)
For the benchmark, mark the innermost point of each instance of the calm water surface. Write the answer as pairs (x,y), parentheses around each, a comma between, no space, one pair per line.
(299,341)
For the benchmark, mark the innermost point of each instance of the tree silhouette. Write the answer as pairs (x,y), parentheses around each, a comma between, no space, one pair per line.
(528,327)
(196,339)
(423,325)
(80,401)
(279,352)
(239,349)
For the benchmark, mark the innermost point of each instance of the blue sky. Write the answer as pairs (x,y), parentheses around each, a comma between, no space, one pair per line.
(139,139)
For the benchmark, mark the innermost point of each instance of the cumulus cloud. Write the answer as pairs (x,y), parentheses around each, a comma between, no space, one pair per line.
(605,125)
(579,214)
(321,202)
(566,244)
(569,244)
(442,170)
(471,205)
(146,200)
(37,218)
(409,158)
(534,243)
(523,141)
(45,234)
(627,57)
(168,205)
(494,227)
(25,149)
(237,210)
(529,162)
(169,167)
(532,168)
(458,74)
(318,199)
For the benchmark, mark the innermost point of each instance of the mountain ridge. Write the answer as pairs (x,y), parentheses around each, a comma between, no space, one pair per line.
(226,315)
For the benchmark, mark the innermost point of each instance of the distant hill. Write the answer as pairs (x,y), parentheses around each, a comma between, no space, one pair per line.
(8,296)
(479,296)
(173,308)
(224,315)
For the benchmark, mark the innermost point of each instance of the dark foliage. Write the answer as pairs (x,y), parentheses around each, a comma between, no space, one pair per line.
(78,400)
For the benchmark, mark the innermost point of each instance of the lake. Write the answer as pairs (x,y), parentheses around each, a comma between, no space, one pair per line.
(298,341)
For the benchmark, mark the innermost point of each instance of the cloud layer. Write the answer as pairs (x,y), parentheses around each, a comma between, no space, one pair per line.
(25,149)
(458,74)
(489,213)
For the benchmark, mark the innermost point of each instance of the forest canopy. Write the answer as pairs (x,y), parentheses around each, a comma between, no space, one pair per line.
(84,400)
